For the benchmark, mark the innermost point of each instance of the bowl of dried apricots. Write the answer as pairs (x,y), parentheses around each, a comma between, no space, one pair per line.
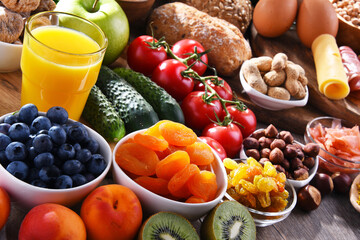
(170,169)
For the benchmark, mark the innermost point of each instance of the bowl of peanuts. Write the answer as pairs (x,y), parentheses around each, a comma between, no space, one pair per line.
(274,83)
(170,169)
(348,12)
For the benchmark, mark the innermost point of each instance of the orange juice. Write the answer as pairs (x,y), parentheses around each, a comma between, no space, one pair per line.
(59,66)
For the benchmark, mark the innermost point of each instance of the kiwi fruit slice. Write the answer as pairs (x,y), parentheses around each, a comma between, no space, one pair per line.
(167,226)
(227,221)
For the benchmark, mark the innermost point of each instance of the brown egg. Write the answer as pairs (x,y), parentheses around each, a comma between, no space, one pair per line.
(272,18)
(316,17)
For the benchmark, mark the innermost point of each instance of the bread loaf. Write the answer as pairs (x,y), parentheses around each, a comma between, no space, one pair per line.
(237,12)
(176,21)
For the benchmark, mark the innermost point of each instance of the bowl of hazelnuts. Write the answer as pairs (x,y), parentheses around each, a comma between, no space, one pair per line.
(299,162)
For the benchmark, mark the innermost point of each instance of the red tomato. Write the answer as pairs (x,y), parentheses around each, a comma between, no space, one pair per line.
(215,145)
(229,137)
(245,120)
(185,47)
(168,76)
(198,113)
(142,58)
(224,90)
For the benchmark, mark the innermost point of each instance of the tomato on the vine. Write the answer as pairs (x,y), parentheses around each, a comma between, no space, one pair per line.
(197,112)
(229,137)
(245,120)
(168,76)
(219,149)
(185,47)
(142,58)
(224,90)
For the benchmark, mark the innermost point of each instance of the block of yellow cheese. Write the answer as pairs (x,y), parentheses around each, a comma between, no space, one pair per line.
(330,72)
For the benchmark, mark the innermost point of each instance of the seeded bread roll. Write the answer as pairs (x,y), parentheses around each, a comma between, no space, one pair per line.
(237,12)
(176,21)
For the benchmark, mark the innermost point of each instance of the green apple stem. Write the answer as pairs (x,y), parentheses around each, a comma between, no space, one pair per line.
(94,5)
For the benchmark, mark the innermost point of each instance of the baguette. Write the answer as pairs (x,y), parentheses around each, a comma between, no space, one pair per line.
(176,21)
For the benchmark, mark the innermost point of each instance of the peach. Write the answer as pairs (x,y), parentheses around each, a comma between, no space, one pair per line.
(4,206)
(52,221)
(111,212)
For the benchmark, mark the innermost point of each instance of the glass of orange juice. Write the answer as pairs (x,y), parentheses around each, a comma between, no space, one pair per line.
(60,62)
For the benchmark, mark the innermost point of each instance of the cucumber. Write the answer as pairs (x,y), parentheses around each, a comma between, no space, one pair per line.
(102,116)
(132,108)
(163,103)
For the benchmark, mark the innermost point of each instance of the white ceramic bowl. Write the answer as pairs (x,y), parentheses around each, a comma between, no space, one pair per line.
(296,183)
(153,203)
(29,196)
(271,103)
(10,55)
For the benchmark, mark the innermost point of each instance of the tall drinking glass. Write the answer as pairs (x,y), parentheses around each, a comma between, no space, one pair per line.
(60,62)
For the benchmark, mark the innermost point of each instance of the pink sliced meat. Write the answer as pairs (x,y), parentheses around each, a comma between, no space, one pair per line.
(351,64)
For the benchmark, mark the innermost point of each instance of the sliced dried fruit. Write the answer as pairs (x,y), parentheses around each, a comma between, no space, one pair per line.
(200,153)
(155,185)
(178,183)
(11,25)
(194,199)
(21,5)
(203,185)
(172,164)
(177,134)
(152,142)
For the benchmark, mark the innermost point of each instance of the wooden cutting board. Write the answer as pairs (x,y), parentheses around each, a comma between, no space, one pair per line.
(295,119)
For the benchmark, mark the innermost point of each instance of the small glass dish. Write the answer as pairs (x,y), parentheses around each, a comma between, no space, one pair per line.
(263,219)
(327,160)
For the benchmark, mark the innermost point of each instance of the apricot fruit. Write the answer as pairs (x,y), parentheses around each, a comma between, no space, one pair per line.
(5,207)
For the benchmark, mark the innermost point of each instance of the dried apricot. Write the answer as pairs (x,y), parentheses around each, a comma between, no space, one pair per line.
(203,185)
(152,142)
(155,185)
(136,159)
(177,134)
(200,153)
(178,183)
(154,130)
(172,164)
(194,199)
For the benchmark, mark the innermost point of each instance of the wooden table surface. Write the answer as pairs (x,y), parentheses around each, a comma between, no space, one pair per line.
(334,219)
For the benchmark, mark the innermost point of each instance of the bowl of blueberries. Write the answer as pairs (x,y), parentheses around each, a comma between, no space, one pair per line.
(47,157)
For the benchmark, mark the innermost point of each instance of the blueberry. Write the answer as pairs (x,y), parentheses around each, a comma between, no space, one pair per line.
(11,119)
(63,181)
(57,135)
(42,143)
(16,151)
(42,132)
(38,183)
(71,167)
(83,155)
(3,159)
(19,169)
(93,146)
(45,159)
(57,115)
(4,128)
(40,123)
(28,113)
(32,153)
(77,147)
(77,133)
(96,165)
(66,151)
(19,132)
(33,174)
(89,176)
(78,179)
(49,174)
(5,140)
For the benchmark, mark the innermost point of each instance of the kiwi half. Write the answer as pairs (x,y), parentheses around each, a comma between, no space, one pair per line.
(167,226)
(227,221)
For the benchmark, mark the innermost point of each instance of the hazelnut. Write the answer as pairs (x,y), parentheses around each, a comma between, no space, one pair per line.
(300,154)
(271,131)
(295,164)
(311,149)
(323,183)
(309,198)
(265,152)
(258,134)
(263,160)
(301,174)
(276,156)
(279,168)
(253,153)
(285,164)
(265,142)
(277,143)
(288,175)
(250,143)
(286,136)
(309,162)
(290,152)
(342,182)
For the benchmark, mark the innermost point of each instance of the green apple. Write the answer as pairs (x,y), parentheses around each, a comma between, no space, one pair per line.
(108,15)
